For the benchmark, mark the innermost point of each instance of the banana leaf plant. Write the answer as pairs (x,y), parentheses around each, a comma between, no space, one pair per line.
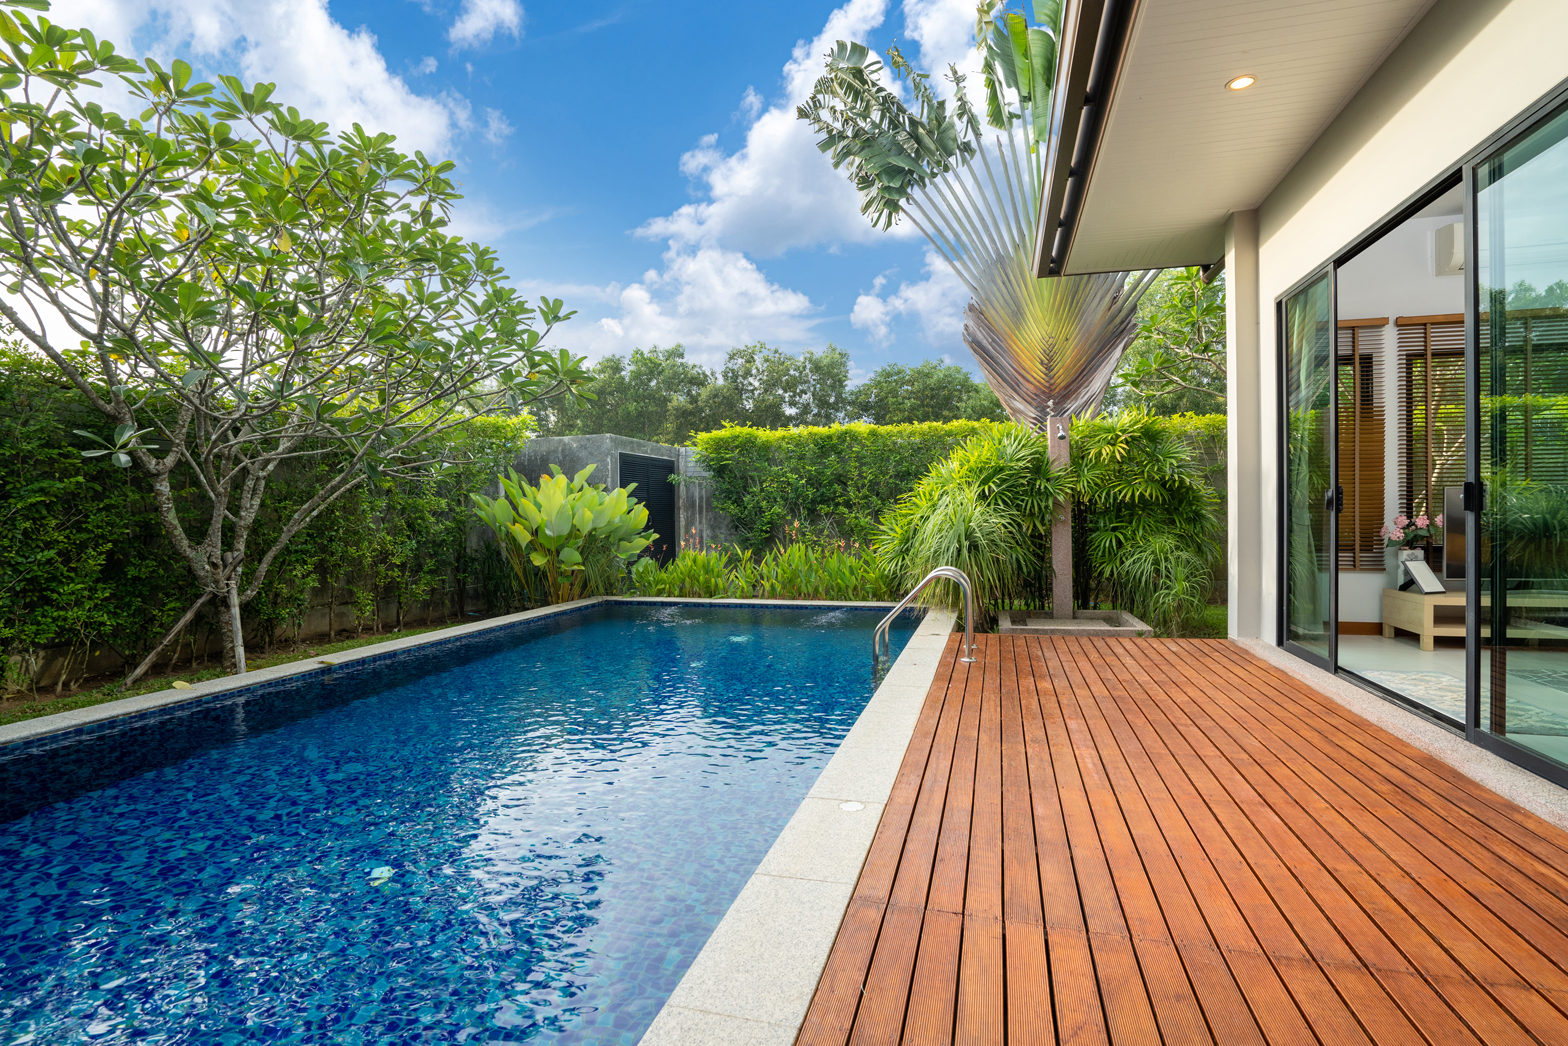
(1047,347)
(568,537)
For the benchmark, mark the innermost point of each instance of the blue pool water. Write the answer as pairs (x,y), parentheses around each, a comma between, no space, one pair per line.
(525,837)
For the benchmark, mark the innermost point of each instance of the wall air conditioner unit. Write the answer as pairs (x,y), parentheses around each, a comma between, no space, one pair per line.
(1450,253)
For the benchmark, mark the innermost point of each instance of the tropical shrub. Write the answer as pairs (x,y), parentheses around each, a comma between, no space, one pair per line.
(797,572)
(834,482)
(986,510)
(566,538)
(1144,516)
(1148,514)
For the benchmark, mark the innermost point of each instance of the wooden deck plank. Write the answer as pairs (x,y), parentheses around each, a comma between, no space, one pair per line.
(933,995)
(1027,990)
(1174,996)
(1461,794)
(907,879)
(1129,1011)
(1135,841)
(1387,993)
(836,1002)
(1408,965)
(981,966)
(1518,921)
(1077,1009)
(1397,777)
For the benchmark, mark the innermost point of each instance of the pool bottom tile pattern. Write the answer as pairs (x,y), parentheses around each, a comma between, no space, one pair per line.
(524,840)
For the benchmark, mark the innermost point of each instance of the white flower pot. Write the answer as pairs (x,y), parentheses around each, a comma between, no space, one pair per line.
(1394,560)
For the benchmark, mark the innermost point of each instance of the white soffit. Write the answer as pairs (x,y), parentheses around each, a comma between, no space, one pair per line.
(1180,152)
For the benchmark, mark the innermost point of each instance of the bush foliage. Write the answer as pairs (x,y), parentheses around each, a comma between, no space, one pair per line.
(833,483)
(1144,519)
(796,572)
(85,563)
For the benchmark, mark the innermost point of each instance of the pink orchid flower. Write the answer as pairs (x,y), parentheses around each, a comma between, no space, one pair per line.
(1422,522)
(1397,534)
(1439,520)
(1384,531)
(1401,519)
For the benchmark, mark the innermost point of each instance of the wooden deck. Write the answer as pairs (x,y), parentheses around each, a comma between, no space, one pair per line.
(1151,841)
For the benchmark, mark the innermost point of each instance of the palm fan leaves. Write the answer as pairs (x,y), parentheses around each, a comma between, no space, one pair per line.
(1048,347)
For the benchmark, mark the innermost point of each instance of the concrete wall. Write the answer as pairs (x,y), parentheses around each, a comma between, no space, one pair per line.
(696,520)
(1468,68)
(573,453)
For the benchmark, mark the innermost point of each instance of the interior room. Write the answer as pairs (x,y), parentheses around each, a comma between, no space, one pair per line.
(1400,375)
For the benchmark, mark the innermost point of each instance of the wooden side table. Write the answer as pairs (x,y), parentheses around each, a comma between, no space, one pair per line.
(1416,612)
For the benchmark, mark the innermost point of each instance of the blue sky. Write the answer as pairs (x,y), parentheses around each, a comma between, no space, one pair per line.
(639,160)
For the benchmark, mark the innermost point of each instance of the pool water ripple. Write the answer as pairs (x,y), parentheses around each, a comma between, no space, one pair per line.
(525,841)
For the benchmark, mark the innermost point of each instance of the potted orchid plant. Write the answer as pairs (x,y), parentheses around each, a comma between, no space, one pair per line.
(1400,536)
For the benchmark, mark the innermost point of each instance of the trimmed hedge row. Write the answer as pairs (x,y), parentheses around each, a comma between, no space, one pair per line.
(820,484)
(86,568)
(832,484)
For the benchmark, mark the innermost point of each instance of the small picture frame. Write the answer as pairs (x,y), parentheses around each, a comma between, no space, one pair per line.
(1429,583)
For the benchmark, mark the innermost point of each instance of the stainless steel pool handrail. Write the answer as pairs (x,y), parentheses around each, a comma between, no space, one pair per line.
(940,573)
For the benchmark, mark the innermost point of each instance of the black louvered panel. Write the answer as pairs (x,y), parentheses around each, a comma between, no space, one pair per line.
(654,489)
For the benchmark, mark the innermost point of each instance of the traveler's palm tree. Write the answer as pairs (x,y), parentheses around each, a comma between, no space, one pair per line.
(1048,347)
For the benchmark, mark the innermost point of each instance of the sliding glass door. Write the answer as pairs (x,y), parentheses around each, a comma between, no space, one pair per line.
(1521,223)
(1307,325)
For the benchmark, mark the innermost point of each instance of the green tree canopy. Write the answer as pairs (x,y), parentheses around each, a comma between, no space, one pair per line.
(1176,363)
(236,289)
(658,394)
(931,391)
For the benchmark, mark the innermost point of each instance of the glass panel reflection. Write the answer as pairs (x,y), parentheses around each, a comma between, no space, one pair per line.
(1522,284)
(1309,368)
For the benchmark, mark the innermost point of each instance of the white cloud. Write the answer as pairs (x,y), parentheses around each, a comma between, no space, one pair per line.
(481,20)
(426,66)
(937,302)
(945,31)
(750,104)
(497,128)
(704,297)
(778,192)
(323,69)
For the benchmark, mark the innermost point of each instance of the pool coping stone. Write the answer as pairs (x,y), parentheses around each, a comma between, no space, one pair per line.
(754,979)
(102,716)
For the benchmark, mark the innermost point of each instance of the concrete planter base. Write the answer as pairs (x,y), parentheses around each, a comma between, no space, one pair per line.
(1084,623)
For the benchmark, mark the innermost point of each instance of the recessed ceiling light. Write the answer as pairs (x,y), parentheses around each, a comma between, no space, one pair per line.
(1241,83)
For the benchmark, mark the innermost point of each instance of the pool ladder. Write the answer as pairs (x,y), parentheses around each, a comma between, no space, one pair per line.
(940,573)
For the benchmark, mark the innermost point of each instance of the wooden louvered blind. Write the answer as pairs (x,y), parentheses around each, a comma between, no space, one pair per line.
(1432,438)
(1361,426)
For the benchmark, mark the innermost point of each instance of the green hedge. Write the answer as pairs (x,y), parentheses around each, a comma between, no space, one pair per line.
(834,483)
(85,563)
(821,484)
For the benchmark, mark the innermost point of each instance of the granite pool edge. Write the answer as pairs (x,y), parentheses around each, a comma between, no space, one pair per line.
(81,720)
(753,981)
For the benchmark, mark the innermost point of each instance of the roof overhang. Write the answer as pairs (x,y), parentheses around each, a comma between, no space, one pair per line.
(1150,152)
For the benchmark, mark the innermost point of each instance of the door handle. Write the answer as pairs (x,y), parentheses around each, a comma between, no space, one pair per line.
(1334,500)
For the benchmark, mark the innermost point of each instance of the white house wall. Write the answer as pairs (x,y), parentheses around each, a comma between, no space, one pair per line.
(1468,68)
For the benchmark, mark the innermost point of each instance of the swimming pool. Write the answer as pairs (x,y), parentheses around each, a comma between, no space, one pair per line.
(523,837)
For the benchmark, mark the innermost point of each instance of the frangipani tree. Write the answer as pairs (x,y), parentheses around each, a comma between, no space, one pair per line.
(238,291)
(1048,347)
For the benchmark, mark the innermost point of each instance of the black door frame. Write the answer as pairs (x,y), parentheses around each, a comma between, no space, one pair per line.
(1325,271)
(1464,170)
